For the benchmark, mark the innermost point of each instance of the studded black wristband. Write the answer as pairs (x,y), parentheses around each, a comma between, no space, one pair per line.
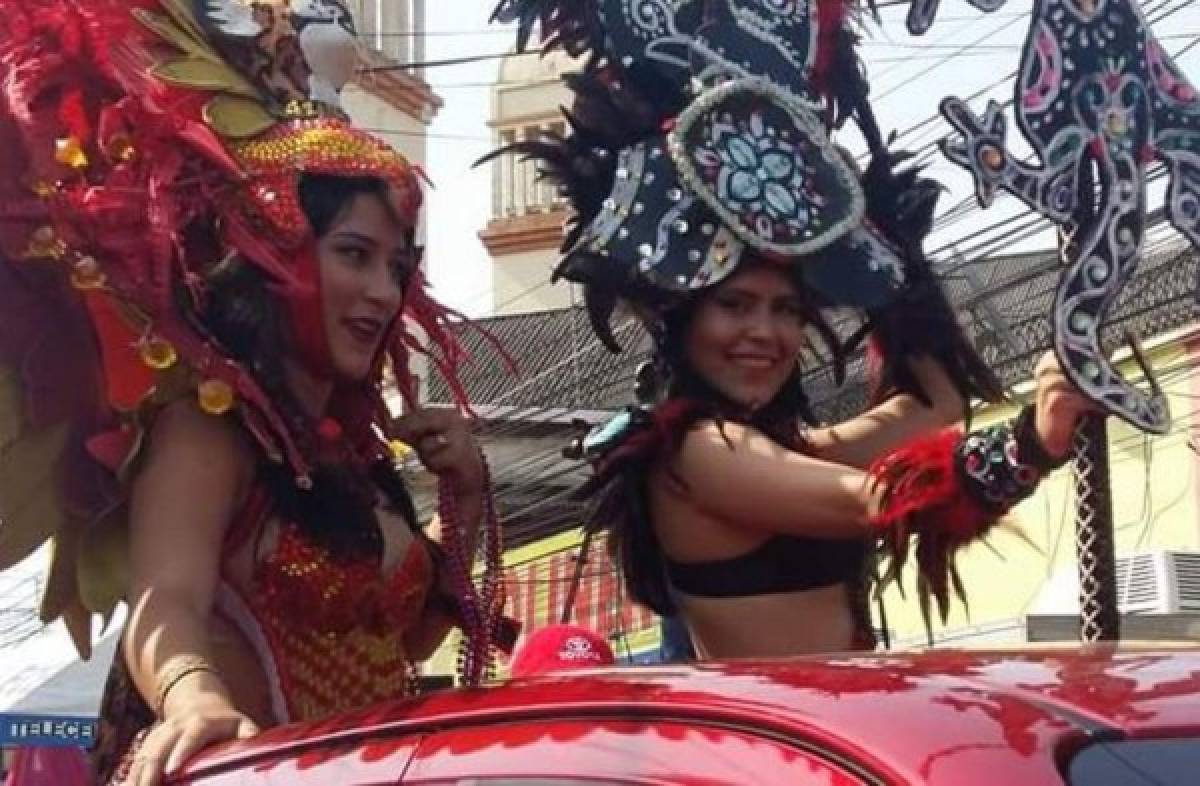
(993,469)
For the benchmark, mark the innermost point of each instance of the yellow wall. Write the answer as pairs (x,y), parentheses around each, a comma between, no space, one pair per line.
(1154,509)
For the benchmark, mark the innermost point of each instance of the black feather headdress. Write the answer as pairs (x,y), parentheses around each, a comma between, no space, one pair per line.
(699,135)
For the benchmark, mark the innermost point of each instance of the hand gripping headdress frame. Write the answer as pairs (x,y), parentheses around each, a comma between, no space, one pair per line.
(1099,100)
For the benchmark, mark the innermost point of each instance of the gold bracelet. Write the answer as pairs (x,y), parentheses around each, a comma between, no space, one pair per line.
(173,673)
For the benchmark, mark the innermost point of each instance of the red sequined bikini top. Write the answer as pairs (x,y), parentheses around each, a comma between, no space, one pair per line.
(300,582)
(303,584)
(330,633)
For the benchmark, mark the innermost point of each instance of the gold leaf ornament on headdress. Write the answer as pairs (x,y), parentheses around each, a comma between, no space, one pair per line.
(276,69)
(238,110)
(260,58)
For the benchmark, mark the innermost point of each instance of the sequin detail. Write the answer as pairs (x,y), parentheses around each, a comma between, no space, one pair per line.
(336,628)
(994,474)
(326,146)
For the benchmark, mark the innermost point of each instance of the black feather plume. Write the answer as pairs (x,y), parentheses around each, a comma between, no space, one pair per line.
(901,205)
(570,25)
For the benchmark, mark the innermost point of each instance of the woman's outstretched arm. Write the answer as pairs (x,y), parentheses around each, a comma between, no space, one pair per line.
(738,475)
(861,440)
(197,469)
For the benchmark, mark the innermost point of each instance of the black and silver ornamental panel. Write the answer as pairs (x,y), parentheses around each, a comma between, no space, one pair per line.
(1099,100)
(685,40)
(744,166)
(675,241)
(760,158)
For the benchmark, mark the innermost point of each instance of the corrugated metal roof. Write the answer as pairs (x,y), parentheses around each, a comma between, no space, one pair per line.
(561,365)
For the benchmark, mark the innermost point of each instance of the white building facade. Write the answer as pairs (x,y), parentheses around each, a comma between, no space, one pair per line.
(525,230)
(390,97)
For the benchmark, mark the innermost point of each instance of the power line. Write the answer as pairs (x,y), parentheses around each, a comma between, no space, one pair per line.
(965,49)
(419,34)
(428,134)
(508,30)
(956,214)
(985,47)
(536,472)
(451,61)
(535,463)
(1007,78)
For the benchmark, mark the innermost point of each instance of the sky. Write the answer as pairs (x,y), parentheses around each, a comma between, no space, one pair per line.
(460,204)
(965,51)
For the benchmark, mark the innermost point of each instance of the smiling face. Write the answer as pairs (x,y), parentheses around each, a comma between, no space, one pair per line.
(365,262)
(744,336)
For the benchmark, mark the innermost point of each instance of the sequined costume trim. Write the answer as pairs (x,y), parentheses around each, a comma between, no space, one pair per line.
(330,635)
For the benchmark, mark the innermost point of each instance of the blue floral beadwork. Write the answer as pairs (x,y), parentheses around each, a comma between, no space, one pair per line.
(758,155)
(758,172)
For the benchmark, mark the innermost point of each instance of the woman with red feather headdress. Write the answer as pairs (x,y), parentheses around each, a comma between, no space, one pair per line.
(711,202)
(205,270)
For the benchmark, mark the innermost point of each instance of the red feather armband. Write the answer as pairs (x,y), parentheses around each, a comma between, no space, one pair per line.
(949,489)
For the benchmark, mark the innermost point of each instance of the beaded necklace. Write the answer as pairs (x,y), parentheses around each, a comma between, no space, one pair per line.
(480,597)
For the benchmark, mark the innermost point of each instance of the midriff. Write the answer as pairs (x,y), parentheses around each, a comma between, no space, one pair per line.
(777,624)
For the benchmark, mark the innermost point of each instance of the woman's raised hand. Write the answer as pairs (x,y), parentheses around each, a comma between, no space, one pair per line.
(1060,406)
(444,443)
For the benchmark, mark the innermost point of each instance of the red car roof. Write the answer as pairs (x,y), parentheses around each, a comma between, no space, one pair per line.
(943,716)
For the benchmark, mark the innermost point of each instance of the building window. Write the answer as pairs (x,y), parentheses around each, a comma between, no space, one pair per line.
(517,189)
(394,28)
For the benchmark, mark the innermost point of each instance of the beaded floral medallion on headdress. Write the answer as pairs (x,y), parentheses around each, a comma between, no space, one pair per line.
(700,135)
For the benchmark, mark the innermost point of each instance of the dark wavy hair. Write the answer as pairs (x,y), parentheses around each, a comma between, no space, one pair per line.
(241,312)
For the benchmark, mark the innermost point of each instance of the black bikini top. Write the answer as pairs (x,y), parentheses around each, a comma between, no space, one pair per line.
(784,563)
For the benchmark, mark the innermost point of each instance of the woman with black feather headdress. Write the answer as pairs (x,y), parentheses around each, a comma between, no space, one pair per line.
(710,202)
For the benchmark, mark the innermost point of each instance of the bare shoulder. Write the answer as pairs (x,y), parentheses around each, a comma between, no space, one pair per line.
(712,450)
(709,440)
(193,476)
(188,439)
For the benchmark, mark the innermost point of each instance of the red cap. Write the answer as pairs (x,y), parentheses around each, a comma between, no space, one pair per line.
(560,648)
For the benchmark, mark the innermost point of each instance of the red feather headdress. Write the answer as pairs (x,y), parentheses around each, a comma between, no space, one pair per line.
(143,142)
